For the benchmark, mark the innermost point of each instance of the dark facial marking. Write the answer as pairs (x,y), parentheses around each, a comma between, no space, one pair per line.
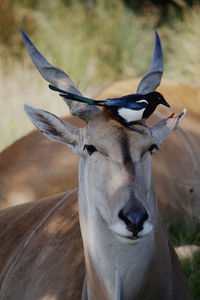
(126,154)
(125,151)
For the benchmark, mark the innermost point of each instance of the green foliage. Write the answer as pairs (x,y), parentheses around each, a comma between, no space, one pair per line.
(12,18)
(97,44)
(182,234)
(183,45)
(191,268)
(7,21)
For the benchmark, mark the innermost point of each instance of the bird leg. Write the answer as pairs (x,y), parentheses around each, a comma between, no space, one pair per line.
(135,129)
(139,123)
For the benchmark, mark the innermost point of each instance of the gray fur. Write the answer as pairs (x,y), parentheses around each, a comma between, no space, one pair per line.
(60,79)
(152,79)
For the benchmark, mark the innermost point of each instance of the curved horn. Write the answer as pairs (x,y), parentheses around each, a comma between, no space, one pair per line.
(152,79)
(60,79)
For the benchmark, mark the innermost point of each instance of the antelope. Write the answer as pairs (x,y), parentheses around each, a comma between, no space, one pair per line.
(127,251)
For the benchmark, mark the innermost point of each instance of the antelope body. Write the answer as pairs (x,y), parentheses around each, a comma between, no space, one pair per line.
(126,248)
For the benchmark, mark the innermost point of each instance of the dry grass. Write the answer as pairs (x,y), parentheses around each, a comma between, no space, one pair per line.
(184,44)
(18,87)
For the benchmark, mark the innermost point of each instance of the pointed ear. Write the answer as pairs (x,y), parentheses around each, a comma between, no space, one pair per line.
(53,127)
(162,129)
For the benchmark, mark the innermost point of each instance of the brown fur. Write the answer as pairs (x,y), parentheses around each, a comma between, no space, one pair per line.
(34,237)
(35,167)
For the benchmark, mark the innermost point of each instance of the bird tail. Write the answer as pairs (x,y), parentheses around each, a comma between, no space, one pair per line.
(74,97)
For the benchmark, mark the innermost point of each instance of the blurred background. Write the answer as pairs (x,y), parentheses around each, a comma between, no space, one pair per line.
(96,42)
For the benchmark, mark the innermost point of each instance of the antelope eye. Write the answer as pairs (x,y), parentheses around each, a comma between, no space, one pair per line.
(153,148)
(90,149)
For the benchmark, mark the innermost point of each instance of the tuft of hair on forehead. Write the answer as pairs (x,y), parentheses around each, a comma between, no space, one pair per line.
(104,126)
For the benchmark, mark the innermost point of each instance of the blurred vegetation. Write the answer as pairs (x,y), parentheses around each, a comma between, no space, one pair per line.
(96,42)
(103,39)
(182,235)
(11,19)
(191,268)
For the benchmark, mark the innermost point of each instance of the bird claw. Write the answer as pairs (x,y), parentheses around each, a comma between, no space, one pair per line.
(140,123)
(137,130)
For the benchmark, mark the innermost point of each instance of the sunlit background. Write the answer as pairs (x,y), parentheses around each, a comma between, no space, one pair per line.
(96,42)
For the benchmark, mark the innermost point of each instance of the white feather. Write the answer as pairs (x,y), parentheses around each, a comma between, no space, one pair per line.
(131,115)
(140,101)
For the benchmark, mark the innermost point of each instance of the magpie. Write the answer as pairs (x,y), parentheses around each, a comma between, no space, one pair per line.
(128,110)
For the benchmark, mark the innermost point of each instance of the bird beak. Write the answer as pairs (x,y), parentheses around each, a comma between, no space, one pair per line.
(164,102)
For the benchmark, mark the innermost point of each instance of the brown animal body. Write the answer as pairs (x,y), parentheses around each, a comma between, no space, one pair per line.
(35,167)
(40,261)
(41,253)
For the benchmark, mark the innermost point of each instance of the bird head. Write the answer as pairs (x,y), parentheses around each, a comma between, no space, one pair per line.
(159,99)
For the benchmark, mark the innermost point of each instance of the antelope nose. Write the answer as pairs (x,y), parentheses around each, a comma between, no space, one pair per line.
(134,220)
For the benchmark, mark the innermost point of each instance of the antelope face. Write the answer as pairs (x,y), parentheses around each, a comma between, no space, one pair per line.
(115,177)
(115,183)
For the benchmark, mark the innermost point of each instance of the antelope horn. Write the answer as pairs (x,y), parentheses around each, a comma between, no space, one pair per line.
(61,80)
(152,79)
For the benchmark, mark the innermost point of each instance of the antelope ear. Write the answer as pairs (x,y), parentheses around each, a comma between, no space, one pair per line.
(53,127)
(162,129)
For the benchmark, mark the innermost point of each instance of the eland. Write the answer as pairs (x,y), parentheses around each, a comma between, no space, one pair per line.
(127,252)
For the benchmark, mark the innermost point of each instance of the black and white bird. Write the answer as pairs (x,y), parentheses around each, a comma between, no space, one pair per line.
(128,110)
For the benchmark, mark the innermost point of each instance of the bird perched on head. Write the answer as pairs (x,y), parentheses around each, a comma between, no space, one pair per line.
(128,110)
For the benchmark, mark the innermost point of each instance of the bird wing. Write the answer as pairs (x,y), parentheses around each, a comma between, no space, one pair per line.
(127,103)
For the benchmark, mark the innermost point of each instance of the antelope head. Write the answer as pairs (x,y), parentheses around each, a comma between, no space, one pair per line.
(115,181)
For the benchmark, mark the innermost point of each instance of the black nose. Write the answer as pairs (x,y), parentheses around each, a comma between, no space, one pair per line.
(134,220)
